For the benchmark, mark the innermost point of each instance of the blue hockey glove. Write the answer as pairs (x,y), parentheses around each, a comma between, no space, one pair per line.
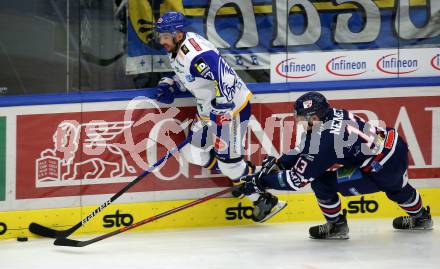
(166,90)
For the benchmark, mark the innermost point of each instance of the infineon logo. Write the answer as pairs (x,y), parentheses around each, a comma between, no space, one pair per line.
(291,68)
(339,66)
(390,64)
(435,62)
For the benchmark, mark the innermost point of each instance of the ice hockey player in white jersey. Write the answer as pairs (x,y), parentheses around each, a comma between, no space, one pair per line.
(221,97)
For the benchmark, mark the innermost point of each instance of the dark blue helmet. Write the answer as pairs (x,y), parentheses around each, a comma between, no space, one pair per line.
(312,103)
(170,22)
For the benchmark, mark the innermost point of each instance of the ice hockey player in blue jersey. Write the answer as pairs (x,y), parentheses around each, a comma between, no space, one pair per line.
(221,97)
(341,153)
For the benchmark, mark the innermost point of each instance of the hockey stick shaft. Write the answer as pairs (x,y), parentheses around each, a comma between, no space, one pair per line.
(75,243)
(48,232)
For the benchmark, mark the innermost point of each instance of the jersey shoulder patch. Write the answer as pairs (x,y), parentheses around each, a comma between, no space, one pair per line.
(184,49)
(195,45)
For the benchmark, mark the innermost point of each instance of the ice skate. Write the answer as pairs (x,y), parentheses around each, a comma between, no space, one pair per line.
(331,230)
(266,207)
(422,222)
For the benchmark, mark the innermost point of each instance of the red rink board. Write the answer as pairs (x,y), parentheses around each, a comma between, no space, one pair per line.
(45,140)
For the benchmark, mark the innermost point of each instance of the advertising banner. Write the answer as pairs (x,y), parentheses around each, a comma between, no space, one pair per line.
(247,32)
(98,152)
(346,65)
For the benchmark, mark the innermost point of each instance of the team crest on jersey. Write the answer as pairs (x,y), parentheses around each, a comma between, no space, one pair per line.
(308,104)
(184,49)
(227,80)
(195,44)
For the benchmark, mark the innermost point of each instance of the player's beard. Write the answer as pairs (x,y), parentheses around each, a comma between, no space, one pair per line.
(170,48)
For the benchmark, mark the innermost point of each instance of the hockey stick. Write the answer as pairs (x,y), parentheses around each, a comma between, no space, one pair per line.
(75,243)
(41,230)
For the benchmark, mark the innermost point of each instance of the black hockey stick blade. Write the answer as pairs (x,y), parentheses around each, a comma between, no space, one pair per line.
(74,243)
(41,230)
(62,241)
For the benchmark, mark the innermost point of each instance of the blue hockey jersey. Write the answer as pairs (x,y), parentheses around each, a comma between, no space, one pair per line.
(342,139)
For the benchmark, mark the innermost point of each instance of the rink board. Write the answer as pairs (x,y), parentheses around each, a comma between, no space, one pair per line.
(45,181)
(216,212)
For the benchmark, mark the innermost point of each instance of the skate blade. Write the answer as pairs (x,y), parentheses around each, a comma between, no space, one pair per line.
(415,229)
(336,237)
(279,206)
(426,227)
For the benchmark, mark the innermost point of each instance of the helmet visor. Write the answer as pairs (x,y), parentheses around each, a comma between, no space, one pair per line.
(162,36)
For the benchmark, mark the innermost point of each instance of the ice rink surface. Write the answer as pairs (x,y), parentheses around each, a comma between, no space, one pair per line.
(373,244)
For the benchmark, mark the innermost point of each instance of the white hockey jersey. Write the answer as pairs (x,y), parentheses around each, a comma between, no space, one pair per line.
(203,72)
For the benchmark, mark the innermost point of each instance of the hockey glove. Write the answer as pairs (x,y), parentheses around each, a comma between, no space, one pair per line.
(166,90)
(269,165)
(251,184)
